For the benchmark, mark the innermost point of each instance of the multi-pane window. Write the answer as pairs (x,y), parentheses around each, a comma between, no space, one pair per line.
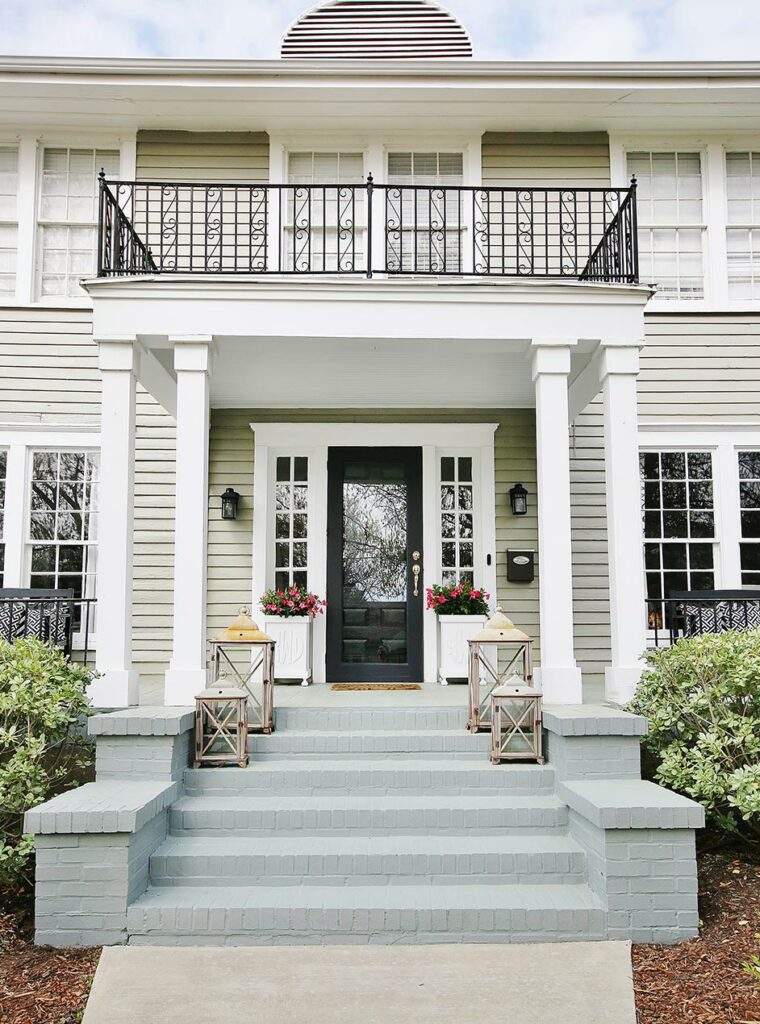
(323,223)
(679,524)
(3,474)
(743,231)
(63,521)
(424,223)
(67,216)
(456,519)
(291,526)
(671,226)
(8,218)
(749,510)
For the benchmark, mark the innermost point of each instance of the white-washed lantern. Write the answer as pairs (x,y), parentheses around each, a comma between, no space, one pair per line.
(243,632)
(516,726)
(221,726)
(496,652)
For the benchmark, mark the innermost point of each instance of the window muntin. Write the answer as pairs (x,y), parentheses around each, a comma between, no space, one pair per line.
(457,519)
(749,514)
(8,218)
(743,231)
(3,477)
(429,218)
(678,507)
(671,222)
(291,521)
(62,537)
(67,216)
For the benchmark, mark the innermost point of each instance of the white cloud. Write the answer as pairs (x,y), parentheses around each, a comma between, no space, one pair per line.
(501,29)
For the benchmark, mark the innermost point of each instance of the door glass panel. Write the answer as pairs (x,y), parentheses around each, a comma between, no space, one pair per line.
(375,511)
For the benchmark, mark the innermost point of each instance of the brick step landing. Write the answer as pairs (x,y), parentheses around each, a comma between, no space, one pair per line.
(319,743)
(307,914)
(359,860)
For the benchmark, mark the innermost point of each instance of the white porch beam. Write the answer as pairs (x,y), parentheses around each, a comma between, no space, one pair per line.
(117,684)
(186,676)
(558,676)
(618,370)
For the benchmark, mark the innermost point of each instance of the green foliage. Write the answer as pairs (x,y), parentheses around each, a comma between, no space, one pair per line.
(42,749)
(702,699)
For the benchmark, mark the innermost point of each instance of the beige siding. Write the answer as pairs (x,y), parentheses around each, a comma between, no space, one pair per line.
(231,465)
(694,367)
(546,159)
(50,376)
(202,156)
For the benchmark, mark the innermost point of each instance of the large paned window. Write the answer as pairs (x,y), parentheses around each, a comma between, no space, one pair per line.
(457,512)
(291,526)
(743,231)
(3,474)
(425,224)
(671,224)
(63,521)
(67,217)
(679,524)
(749,511)
(8,218)
(324,225)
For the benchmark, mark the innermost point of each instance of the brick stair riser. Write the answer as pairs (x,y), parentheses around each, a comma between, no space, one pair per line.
(361,719)
(370,744)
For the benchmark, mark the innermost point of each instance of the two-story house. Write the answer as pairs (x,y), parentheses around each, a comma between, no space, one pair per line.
(377,278)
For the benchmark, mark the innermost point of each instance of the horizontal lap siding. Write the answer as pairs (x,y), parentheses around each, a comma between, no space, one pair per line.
(202,156)
(50,376)
(231,465)
(546,159)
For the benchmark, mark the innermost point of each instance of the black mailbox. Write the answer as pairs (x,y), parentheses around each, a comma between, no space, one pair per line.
(521,566)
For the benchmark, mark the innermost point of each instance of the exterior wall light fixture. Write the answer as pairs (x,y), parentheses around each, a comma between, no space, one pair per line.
(518,499)
(230,500)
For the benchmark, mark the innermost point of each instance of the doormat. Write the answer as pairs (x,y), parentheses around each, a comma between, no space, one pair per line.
(375,686)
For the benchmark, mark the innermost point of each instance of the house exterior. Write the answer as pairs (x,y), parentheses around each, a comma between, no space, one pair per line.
(378,282)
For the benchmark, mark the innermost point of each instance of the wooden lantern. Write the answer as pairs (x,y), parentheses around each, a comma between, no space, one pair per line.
(496,652)
(243,632)
(516,722)
(221,726)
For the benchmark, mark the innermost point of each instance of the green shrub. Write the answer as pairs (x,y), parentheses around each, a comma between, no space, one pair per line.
(702,699)
(43,749)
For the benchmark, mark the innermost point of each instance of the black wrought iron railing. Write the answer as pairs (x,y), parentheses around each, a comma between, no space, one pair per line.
(65,622)
(186,228)
(693,613)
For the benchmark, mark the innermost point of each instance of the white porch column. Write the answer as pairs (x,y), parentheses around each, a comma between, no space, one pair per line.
(186,676)
(117,685)
(558,676)
(618,369)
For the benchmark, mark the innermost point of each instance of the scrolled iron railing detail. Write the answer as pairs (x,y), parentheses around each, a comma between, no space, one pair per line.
(190,228)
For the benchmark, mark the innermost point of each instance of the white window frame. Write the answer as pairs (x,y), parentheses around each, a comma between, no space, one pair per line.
(13,221)
(20,443)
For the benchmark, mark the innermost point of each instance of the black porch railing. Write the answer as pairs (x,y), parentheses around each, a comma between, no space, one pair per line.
(697,612)
(53,617)
(185,228)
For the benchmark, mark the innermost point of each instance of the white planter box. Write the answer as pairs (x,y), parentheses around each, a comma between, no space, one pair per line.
(453,653)
(292,655)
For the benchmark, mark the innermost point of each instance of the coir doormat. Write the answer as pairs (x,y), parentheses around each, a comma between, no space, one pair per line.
(375,686)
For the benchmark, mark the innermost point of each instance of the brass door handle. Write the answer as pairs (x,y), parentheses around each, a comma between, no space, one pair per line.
(416,570)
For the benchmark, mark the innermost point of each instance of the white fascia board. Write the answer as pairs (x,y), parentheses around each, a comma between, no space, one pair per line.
(369,435)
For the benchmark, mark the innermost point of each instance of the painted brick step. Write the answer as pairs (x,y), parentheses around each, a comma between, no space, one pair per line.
(370,743)
(367,815)
(360,860)
(410,775)
(362,717)
(196,915)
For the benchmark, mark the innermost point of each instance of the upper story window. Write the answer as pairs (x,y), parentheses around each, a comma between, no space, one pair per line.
(425,169)
(323,223)
(671,224)
(424,223)
(67,217)
(8,218)
(743,231)
(325,168)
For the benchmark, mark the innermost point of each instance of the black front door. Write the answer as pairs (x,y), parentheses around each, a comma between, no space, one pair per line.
(374,546)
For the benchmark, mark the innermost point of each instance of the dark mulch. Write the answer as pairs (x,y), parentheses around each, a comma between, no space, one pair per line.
(702,981)
(39,985)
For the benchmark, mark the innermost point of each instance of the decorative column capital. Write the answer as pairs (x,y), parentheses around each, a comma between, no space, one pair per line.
(551,355)
(118,352)
(193,352)
(620,357)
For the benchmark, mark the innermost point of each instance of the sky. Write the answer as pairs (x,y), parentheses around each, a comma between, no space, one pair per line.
(500,29)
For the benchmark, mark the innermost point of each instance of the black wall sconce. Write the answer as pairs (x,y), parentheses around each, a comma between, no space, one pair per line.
(230,500)
(518,499)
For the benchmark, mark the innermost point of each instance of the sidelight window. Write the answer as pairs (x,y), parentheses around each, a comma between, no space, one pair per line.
(457,510)
(749,511)
(291,521)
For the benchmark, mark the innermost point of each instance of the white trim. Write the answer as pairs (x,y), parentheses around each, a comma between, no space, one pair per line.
(374,435)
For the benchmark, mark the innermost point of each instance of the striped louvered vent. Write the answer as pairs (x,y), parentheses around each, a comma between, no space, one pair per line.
(377,29)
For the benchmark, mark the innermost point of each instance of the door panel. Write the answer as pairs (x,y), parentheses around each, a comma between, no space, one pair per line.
(374,617)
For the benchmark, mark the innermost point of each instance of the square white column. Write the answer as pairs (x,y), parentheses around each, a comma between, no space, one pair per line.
(618,369)
(186,676)
(117,684)
(559,677)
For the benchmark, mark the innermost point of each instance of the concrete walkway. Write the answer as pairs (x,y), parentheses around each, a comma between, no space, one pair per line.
(563,983)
